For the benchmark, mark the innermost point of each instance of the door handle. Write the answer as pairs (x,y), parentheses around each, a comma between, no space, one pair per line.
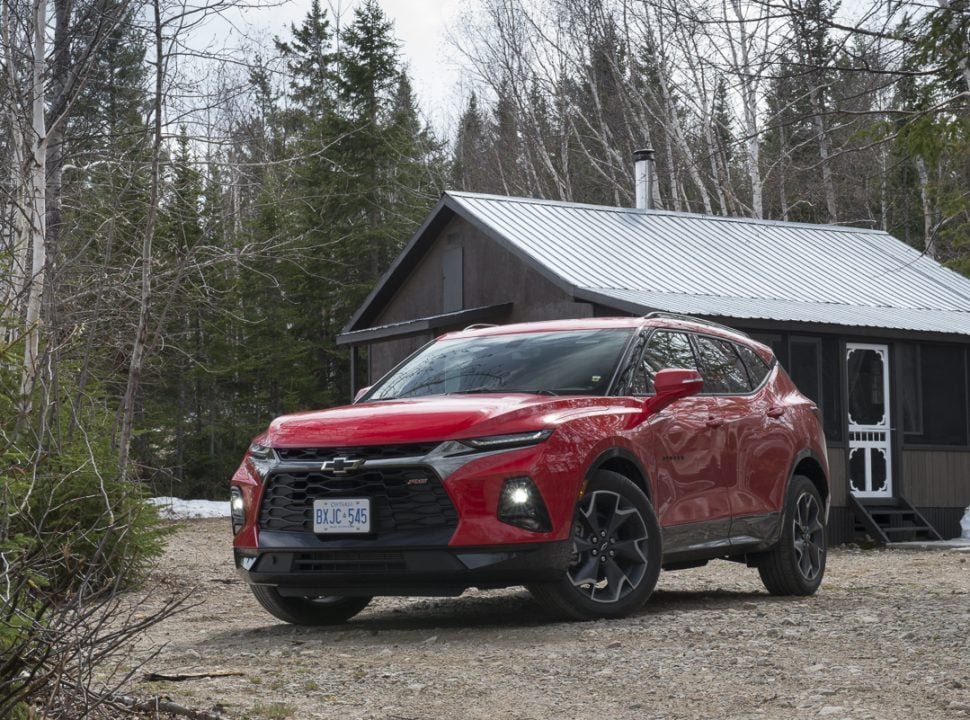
(775,411)
(714,422)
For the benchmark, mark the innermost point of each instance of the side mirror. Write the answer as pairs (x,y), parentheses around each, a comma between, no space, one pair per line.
(672,385)
(363,391)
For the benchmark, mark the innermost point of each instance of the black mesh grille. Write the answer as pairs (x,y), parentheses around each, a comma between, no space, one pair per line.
(401,499)
(348,562)
(366,452)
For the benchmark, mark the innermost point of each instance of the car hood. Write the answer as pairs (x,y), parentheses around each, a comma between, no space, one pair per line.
(426,419)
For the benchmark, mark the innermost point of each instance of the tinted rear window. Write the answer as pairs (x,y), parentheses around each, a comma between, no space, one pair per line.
(757,368)
(723,371)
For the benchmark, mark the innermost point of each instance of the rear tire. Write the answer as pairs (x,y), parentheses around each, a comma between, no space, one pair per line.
(795,565)
(323,610)
(616,553)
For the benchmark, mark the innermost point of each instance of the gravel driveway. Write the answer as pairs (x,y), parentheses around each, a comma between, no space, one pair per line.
(888,636)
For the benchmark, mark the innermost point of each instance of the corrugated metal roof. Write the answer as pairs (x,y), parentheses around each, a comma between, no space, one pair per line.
(729,267)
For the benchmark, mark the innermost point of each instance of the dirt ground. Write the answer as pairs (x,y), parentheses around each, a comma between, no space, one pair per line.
(887,636)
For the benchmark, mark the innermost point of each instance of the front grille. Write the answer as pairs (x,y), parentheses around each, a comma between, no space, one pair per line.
(401,499)
(348,562)
(365,452)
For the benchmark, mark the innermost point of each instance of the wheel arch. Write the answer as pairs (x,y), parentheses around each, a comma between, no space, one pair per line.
(625,463)
(807,463)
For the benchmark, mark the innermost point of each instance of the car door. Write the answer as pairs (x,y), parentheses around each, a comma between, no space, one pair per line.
(726,377)
(684,446)
(764,450)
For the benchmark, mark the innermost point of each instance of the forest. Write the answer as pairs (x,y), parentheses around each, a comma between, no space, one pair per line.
(184,228)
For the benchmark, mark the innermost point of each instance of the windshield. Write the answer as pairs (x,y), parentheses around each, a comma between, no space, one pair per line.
(577,362)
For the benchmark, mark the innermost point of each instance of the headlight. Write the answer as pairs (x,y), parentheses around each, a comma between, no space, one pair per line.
(261,452)
(237,508)
(501,442)
(263,459)
(452,455)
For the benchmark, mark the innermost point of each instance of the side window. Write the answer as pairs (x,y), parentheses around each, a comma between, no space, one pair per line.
(757,368)
(721,367)
(665,349)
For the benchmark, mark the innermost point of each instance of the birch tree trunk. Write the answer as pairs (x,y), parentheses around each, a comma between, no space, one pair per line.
(15,206)
(748,73)
(825,154)
(37,185)
(783,174)
(964,63)
(929,246)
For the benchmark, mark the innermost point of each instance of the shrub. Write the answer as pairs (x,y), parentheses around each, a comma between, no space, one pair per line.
(73,534)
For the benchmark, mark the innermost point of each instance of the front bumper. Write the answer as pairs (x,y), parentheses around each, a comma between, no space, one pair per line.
(298,566)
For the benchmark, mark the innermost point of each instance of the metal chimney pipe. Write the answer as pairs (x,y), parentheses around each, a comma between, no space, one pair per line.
(643,173)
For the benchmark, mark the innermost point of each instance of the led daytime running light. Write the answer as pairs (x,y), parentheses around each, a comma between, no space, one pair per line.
(496,442)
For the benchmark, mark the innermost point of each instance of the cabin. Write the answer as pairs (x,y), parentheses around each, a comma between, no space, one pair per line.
(876,333)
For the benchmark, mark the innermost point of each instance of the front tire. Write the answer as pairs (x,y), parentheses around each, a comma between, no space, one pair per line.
(795,566)
(323,610)
(616,553)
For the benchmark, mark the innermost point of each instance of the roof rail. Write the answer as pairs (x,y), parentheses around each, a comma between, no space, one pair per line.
(692,318)
(480,326)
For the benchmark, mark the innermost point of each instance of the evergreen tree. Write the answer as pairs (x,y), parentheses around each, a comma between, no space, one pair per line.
(310,59)
(470,149)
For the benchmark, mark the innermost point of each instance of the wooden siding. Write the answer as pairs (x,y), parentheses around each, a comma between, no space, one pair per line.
(935,478)
(488,272)
(841,528)
(837,481)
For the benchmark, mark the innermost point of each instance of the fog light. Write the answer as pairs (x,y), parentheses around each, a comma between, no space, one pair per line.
(237,509)
(520,504)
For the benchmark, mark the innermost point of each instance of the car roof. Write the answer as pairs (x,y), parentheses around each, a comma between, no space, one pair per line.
(608,323)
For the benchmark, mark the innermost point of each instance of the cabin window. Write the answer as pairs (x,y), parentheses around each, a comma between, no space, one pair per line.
(832,416)
(813,365)
(933,394)
(805,366)
(910,389)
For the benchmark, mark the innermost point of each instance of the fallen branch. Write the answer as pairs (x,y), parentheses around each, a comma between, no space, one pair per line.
(179,677)
(157,705)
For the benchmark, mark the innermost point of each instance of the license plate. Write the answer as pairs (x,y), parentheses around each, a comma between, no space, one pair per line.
(343,515)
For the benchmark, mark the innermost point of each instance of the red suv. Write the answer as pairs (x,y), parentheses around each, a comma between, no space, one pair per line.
(577,458)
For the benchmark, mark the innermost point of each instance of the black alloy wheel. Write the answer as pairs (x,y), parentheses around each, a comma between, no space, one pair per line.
(616,553)
(610,544)
(796,565)
(808,533)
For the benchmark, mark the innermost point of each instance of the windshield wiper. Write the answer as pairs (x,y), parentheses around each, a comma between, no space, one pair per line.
(480,390)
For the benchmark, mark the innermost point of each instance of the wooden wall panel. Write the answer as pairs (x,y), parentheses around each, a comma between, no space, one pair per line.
(935,478)
(490,275)
(837,481)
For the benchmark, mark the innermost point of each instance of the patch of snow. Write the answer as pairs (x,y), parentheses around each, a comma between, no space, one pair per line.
(965,525)
(172,508)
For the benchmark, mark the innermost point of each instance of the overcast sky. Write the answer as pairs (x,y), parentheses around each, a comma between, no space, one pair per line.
(421,25)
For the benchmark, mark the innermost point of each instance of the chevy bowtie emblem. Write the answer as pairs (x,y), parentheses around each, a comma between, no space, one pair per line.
(342,465)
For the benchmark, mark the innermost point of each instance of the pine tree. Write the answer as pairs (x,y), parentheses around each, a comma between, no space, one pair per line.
(310,60)
(469,149)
